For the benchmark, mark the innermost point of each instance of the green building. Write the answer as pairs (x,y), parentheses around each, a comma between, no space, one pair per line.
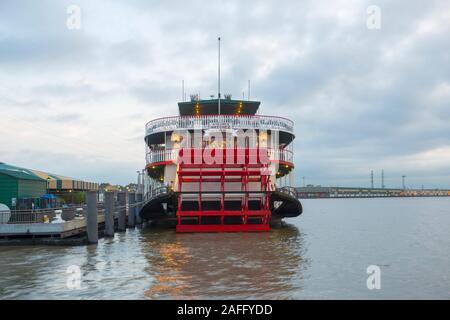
(19,183)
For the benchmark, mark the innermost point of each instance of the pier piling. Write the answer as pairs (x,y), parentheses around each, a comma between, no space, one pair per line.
(138,208)
(122,199)
(91,221)
(131,210)
(109,214)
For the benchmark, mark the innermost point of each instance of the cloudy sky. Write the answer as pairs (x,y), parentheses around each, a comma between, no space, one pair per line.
(75,101)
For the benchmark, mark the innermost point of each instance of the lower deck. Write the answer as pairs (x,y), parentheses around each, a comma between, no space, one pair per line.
(212,216)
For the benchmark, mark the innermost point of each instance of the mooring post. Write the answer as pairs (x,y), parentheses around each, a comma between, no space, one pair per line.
(138,208)
(109,214)
(122,199)
(131,209)
(91,220)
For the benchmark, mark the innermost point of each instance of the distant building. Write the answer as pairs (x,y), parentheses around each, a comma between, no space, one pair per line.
(105,187)
(311,191)
(63,184)
(19,183)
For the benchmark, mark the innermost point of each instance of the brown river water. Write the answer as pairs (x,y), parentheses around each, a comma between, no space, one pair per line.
(323,254)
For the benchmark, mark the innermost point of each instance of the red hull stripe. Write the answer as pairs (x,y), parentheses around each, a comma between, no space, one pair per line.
(223,228)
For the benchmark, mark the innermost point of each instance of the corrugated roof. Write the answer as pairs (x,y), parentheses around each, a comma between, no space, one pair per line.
(51,176)
(29,174)
(19,173)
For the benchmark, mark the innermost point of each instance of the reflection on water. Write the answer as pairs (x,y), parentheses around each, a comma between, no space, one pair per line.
(161,264)
(240,265)
(321,254)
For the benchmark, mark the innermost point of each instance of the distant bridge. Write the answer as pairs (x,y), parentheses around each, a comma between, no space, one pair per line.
(345,192)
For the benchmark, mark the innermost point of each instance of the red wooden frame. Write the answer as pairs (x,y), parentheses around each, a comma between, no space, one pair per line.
(243,173)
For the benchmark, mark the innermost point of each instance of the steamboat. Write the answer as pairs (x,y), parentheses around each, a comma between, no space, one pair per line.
(220,166)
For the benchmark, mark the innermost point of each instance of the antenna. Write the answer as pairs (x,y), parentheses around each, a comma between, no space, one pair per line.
(371,179)
(218,80)
(248,90)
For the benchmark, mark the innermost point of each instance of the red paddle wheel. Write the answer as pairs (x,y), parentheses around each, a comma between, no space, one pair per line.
(231,194)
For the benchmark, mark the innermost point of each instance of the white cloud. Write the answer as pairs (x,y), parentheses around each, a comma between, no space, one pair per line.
(76,102)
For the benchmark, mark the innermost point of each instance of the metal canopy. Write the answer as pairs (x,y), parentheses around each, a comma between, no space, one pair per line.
(227,106)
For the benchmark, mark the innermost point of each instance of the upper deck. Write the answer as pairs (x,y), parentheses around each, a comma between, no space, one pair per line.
(210,114)
(205,115)
(206,122)
(211,107)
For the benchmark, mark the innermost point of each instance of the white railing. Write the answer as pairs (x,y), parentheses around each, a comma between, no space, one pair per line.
(161,155)
(219,122)
(155,156)
(281,155)
(40,215)
(153,192)
(288,190)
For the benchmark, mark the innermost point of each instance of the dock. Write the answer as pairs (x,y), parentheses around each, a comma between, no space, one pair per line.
(72,225)
(60,230)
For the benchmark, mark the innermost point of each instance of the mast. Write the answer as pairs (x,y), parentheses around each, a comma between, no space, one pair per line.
(218,80)
(182,90)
